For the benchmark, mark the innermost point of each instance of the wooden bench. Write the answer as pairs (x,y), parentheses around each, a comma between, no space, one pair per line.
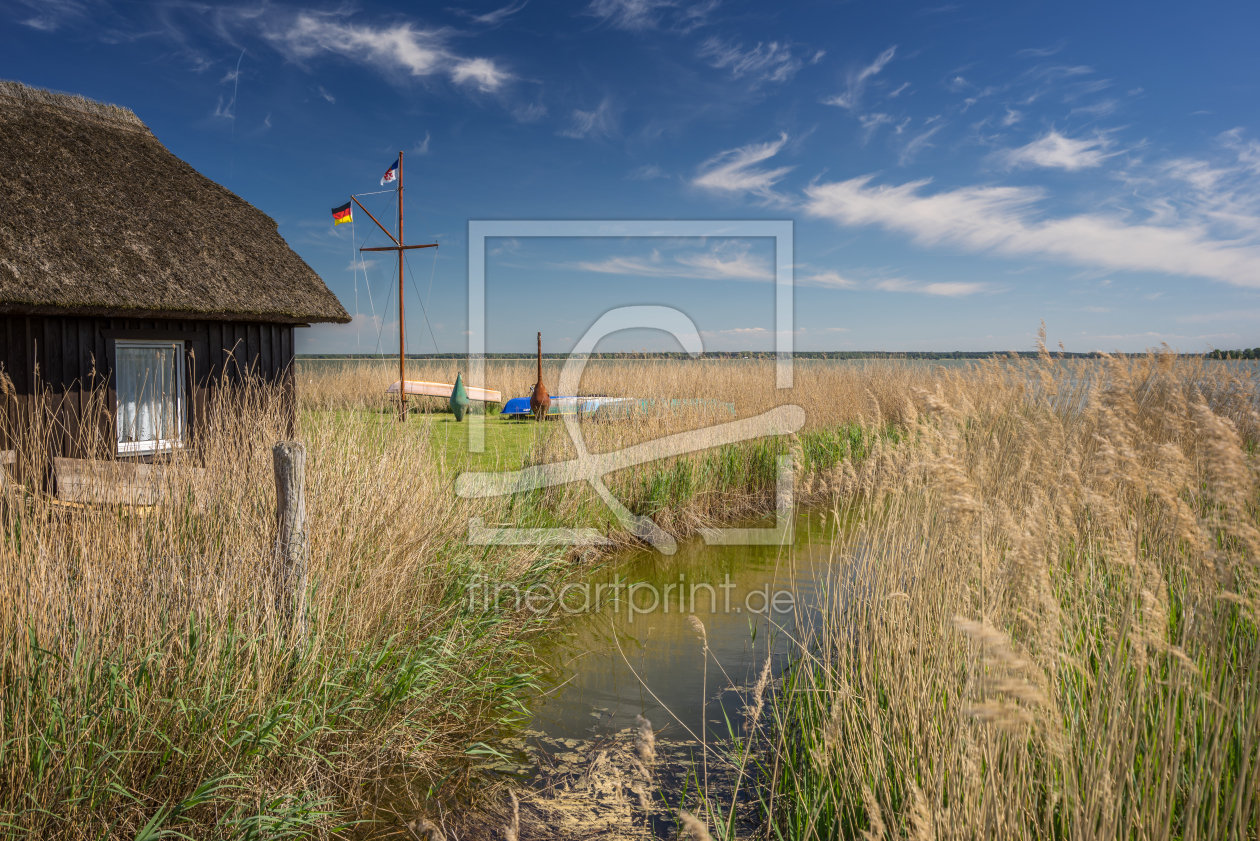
(118,482)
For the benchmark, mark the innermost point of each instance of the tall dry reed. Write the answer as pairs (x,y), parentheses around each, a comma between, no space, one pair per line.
(1044,624)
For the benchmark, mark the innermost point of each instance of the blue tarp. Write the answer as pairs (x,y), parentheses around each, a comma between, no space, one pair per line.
(611,406)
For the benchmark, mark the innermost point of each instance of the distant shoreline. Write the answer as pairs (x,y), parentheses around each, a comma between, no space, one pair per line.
(766,355)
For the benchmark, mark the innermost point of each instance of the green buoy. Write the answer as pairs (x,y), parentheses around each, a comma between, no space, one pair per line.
(459,398)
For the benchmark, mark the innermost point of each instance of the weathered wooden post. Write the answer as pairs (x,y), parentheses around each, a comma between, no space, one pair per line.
(292,548)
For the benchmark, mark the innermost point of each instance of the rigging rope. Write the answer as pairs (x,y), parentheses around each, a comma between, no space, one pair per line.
(423,309)
(355,267)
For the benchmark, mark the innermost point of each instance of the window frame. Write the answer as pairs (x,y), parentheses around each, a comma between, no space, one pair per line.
(140,448)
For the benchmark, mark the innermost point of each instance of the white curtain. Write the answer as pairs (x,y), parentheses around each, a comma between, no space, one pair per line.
(148,393)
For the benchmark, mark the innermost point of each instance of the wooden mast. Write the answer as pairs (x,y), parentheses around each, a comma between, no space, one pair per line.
(402,314)
(539,400)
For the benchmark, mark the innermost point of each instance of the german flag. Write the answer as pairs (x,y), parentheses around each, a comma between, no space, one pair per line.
(342,214)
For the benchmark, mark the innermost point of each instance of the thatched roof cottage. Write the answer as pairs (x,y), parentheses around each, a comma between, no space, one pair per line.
(124,269)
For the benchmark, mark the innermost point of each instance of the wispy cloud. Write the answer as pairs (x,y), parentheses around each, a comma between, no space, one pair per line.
(827,279)
(852,97)
(1004,220)
(326,95)
(422,146)
(941,290)
(871,123)
(1056,151)
(647,172)
(51,15)
(531,113)
(917,144)
(724,260)
(735,171)
(1042,52)
(400,48)
(1098,109)
(498,15)
(768,62)
(633,15)
(602,122)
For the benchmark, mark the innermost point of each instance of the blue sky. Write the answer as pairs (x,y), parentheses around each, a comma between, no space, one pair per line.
(956,172)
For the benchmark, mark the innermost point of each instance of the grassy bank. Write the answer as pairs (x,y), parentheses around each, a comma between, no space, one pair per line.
(149,686)
(1044,624)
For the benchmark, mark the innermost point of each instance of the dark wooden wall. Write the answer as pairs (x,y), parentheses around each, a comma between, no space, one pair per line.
(58,362)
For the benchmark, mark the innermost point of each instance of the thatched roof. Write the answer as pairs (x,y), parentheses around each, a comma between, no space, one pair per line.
(99,218)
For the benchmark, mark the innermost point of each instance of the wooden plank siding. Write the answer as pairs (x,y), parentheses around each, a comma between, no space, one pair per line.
(58,361)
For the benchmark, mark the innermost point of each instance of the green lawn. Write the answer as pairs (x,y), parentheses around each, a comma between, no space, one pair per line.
(507,442)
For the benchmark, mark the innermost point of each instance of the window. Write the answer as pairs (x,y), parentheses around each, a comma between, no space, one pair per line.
(150,379)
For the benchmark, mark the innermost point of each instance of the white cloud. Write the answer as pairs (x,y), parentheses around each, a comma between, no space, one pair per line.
(770,62)
(851,98)
(326,95)
(1012,117)
(1057,151)
(1003,220)
(598,123)
(480,72)
(422,146)
(735,170)
(396,48)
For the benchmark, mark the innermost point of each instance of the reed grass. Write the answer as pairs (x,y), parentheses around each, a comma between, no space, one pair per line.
(1055,631)
(1044,622)
(150,689)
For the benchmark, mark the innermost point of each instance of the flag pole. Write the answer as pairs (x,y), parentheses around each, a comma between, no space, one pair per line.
(402,313)
(402,317)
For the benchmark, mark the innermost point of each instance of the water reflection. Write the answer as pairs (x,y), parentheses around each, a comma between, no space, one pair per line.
(621,661)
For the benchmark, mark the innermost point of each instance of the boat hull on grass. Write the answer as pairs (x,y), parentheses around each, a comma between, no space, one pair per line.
(423,389)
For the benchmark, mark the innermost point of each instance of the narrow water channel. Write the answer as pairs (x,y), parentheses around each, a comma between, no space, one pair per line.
(622,660)
(638,652)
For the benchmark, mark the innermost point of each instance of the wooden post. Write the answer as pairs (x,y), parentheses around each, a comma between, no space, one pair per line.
(292,548)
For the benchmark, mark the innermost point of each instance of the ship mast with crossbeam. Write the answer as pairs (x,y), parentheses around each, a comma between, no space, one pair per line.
(399,247)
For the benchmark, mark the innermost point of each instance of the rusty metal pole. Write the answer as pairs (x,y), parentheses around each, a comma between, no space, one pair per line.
(402,315)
